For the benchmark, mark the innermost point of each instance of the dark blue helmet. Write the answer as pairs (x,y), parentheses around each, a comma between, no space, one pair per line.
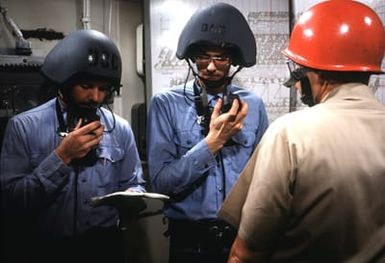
(83,54)
(220,25)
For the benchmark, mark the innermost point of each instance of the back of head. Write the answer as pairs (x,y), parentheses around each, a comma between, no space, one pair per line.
(338,35)
(219,25)
(83,55)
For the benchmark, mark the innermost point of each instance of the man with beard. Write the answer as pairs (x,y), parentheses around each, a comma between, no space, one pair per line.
(57,156)
(201,134)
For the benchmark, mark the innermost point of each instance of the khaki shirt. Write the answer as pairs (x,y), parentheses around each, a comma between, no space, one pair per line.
(314,189)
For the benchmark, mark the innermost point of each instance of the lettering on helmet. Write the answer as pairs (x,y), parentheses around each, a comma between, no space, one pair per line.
(104,59)
(92,57)
(213,28)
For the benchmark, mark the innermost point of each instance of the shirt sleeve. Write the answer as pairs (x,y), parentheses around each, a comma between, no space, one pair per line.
(269,197)
(170,173)
(27,185)
(132,167)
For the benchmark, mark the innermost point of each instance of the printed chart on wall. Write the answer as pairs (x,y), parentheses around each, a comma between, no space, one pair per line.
(269,21)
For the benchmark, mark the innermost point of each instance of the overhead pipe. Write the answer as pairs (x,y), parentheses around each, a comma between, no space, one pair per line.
(23,47)
(86,19)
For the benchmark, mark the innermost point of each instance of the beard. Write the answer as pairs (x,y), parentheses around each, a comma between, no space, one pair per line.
(86,112)
(77,112)
(215,84)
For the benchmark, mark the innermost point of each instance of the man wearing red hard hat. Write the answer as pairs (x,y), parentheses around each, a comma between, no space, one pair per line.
(313,189)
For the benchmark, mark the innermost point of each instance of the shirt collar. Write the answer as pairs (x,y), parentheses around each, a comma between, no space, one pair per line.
(348,91)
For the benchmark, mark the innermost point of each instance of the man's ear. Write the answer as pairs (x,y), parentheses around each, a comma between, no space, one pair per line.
(316,78)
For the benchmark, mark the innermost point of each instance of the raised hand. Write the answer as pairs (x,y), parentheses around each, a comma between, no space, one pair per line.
(224,126)
(80,141)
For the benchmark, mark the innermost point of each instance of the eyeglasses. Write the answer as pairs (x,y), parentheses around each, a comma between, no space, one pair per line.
(205,60)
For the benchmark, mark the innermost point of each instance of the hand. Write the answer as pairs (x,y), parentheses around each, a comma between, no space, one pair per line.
(242,253)
(80,141)
(224,126)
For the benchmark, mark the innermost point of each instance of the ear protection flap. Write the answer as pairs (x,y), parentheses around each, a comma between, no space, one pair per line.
(307,94)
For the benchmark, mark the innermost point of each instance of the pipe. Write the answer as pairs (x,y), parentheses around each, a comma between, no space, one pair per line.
(23,47)
(86,19)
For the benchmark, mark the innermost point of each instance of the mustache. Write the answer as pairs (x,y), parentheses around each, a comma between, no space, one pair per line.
(89,105)
(210,75)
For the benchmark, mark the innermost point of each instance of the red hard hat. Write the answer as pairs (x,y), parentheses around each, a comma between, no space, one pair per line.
(338,35)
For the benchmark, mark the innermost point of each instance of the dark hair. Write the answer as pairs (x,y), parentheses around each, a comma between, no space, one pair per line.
(344,76)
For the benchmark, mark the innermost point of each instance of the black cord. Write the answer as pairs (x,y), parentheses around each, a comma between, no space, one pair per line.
(184,86)
(223,175)
(113,117)
(75,216)
(62,129)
